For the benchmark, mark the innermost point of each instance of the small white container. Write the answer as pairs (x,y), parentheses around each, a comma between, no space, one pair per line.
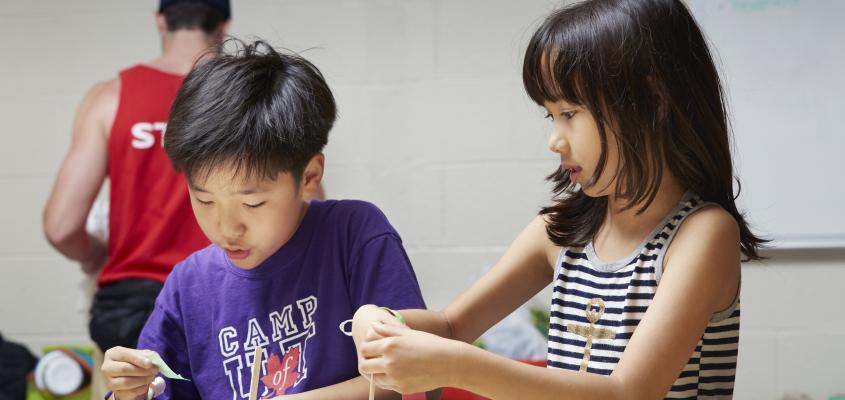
(60,374)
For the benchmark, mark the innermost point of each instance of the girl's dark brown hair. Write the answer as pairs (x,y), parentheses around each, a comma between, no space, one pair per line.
(644,68)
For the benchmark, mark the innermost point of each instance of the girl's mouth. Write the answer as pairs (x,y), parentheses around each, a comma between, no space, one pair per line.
(574,174)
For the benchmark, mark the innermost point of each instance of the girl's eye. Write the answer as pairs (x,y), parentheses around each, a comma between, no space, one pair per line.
(568,114)
(255,205)
(205,203)
(548,116)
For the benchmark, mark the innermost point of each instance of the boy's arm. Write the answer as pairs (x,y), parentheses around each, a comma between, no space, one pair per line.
(80,177)
(382,276)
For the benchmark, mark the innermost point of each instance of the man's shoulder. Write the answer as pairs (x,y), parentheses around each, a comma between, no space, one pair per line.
(106,90)
(101,102)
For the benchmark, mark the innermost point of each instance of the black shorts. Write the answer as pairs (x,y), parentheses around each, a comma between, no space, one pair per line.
(120,311)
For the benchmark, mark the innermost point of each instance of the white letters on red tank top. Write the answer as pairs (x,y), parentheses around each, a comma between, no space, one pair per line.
(143,134)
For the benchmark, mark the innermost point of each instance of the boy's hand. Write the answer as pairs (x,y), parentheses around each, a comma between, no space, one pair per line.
(128,373)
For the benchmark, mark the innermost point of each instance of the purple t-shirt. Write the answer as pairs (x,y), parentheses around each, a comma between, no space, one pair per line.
(211,315)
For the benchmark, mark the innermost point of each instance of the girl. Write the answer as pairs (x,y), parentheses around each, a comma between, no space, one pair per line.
(643,240)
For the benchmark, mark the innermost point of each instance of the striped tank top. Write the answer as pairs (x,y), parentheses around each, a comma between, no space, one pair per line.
(597,305)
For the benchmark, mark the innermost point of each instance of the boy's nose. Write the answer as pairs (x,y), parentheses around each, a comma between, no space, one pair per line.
(232,231)
(231,235)
(231,228)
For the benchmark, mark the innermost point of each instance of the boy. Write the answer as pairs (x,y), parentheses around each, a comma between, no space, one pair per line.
(248,130)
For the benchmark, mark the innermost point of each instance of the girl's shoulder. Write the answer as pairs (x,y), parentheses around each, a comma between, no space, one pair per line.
(707,231)
(709,222)
(708,244)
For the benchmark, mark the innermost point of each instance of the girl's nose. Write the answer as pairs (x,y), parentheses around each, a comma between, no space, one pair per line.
(557,143)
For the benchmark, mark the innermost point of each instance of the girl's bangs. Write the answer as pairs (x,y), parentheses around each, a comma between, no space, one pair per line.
(553,68)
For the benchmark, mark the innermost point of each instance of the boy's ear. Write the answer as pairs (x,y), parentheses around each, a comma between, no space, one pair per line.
(312,177)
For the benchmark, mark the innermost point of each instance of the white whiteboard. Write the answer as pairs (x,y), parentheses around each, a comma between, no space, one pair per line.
(783,67)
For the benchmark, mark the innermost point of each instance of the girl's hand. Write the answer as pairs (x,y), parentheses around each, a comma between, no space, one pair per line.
(128,373)
(409,361)
(363,320)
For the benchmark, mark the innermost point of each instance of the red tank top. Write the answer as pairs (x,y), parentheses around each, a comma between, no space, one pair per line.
(151,225)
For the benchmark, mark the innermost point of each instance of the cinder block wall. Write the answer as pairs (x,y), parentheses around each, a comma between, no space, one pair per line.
(434,128)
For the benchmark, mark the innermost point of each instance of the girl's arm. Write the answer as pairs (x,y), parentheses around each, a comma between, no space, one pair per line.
(701,280)
(525,269)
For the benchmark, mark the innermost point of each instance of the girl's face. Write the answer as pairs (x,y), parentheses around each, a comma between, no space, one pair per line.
(575,137)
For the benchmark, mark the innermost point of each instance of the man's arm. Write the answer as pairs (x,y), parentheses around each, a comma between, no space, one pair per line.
(80,177)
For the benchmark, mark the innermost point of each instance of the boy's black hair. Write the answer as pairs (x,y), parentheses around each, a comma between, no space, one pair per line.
(642,68)
(257,110)
(193,15)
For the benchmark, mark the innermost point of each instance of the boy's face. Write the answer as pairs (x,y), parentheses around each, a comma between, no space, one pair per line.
(250,219)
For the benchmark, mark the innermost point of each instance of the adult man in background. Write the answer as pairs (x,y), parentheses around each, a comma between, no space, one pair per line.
(117,133)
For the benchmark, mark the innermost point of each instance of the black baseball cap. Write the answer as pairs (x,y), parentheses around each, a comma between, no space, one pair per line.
(220,5)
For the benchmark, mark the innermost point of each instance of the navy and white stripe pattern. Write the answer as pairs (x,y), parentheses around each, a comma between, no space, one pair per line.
(626,289)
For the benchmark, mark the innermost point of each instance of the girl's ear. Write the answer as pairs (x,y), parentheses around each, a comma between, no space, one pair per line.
(658,91)
(312,177)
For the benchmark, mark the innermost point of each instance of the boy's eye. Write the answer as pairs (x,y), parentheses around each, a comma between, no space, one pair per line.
(548,116)
(204,202)
(255,205)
